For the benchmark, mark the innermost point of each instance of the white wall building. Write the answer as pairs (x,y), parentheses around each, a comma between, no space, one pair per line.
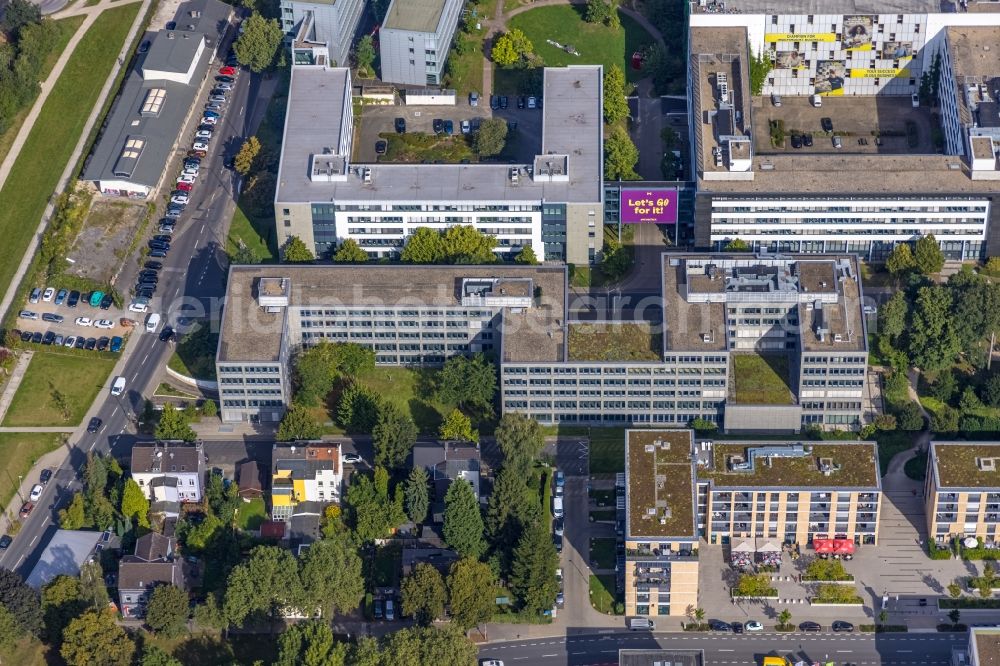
(169,471)
(332,22)
(415,38)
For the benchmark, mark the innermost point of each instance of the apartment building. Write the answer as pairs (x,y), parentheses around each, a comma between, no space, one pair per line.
(304,477)
(170,473)
(839,150)
(551,201)
(788,492)
(661,531)
(415,38)
(330,23)
(962,490)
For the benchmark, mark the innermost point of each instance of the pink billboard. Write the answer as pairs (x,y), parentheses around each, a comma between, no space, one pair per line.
(648,206)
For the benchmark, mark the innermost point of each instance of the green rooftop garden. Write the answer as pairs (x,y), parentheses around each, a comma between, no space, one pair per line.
(613,342)
(761,379)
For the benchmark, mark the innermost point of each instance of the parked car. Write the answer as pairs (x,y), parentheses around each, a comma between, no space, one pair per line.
(217,99)
(36,337)
(80,343)
(378,612)
(167,334)
(103,343)
(381,147)
(841,626)
(159,254)
(144,46)
(558,541)
(437,125)
(27,314)
(116,344)
(222,85)
(36,492)
(473,98)
(200,145)
(826,124)
(36,294)
(503,101)
(5,541)
(449,127)
(84,321)
(74,298)
(213,106)
(812,627)
(25,336)
(352,458)
(719,625)
(26,509)
(94,425)
(104,324)
(49,338)
(796,141)
(51,317)
(807,140)
(184,187)
(70,341)
(559,526)
(753,625)
(90,344)
(466,127)
(203,134)
(224,79)
(49,294)
(390,610)
(180,198)
(532,102)
(521,101)
(153,265)
(61,297)
(107,302)
(209,120)
(45,476)
(838,142)
(195,152)
(227,71)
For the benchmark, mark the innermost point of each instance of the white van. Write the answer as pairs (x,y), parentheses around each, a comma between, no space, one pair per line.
(152,322)
(816,100)
(641,624)
(119,386)
(557,507)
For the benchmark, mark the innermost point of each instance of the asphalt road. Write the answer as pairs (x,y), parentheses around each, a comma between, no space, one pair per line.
(588,647)
(191,285)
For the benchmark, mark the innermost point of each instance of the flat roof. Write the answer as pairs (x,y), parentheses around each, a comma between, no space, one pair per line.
(789,7)
(857,461)
(689,326)
(172,51)
(969,53)
(572,124)
(251,333)
(414,15)
(659,479)
(986,643)
(613,341)
(716,51)
(957,464)
(159,131)
(66,551)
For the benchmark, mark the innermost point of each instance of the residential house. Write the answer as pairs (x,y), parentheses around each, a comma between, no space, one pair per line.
(304,477)
(248,477)
(153,563)
(170,473)
(445,462)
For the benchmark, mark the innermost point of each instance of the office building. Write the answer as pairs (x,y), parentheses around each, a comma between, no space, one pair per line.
(552,200)
(788,492)
(962,491)
(330,24)
(155,101)
(304,477)
(415,38)
(731,320)
(841,149)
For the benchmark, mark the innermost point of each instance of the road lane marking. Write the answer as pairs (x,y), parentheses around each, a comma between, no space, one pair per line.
(33,541)
(546,656)
(21,559)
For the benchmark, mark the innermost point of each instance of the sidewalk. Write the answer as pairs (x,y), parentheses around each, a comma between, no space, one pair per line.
(16,375)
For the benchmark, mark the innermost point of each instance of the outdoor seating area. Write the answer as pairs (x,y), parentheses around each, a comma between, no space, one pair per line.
(745,553)
(834,548)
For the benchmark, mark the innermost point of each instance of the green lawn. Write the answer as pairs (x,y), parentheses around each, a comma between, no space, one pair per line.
(18,453)
(602,593)
(195,353)
(251,514)
(410,389)
(761,379)
(465,71)
(607,450)
(57,389)
(388,560)
(603,497)
(66,28)
(597,44)
(254,232)
(34,178)
(603,515)
(602,553)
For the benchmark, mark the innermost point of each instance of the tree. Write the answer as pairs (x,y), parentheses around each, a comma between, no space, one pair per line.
(72,517)
(909,417)
(946,419)
(210,615)
(892,315)
(508,506)
(62,600)
(10,632)
(424,594)
(736,245)
(393,436)
(93,588)
(154,655)
(22,601)
(350,252)
(526,256)
(784,617)
(135,504)
(174,424)
(209,409)
(533,572)
(424,246)
(267,582)
(359,408)
(331,575)
(900,260)
(470,583)
(364,56)
(95,639)
(464,244)
(375,514)
(298,424)
(615,104)
(753,586)
(310,644)
(468,381)
(620,155)
(955,615)
(933,344)
(954,590)
(928,256)
(417,496)
(316,368)
(989,392)
(18,14)
(296,252)
(520,440)
(760,66)
(168,611)
(428,645)
(491,137)
(463,522)
(244,159)
(699,615)
(598,11)
(258,44)
(458,427)
(512,48)
(354,359)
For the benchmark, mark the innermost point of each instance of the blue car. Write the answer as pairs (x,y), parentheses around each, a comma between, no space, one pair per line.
(116,344)
(449,127)
(61,296)
(210,114)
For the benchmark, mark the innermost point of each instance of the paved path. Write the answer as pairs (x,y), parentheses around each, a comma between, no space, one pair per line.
(90,14)
(16,375)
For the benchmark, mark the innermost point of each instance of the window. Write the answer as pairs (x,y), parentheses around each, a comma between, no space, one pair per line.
(286,211)
(288,223)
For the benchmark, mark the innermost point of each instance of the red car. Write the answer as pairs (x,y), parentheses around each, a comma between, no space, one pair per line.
(184,187)
(227,71)
(26,509)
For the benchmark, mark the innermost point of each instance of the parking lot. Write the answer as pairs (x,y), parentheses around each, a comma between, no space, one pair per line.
(68,327)
(523,141)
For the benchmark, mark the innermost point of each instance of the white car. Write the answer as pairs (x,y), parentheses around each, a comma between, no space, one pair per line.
(209,120)
(187,177)
(104,323)
(466,127)
(199,145)
(191,171)
(49,293)
(203,134)
(36,492)
(352,458)
(753,625)
(70,341)
(138,306)
(119,386)
(83,321)
(179,199)
(491,662)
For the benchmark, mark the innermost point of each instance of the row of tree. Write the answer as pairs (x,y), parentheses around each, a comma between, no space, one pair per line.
(29,40)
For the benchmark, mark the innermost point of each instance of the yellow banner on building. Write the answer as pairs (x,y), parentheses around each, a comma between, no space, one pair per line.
(860,47)
(874,73)
(804,37)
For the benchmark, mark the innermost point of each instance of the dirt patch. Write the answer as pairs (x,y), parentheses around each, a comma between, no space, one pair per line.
(107,235)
